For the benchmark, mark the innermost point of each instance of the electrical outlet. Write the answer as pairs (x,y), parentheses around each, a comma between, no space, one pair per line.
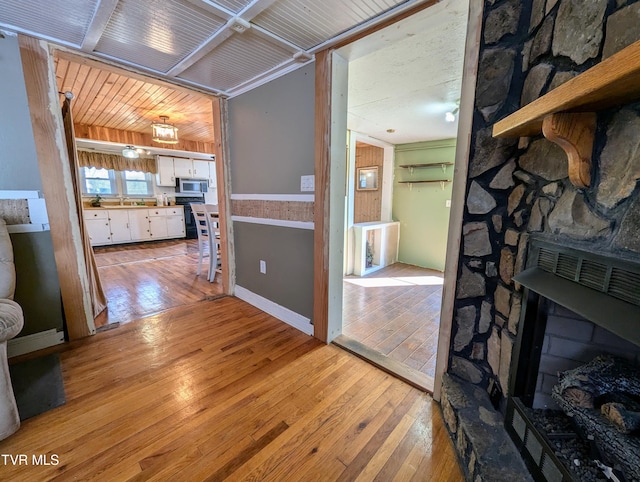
(447,203)
(263,266)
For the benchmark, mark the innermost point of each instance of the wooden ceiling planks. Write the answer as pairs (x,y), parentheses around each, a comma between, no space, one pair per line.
(105,96)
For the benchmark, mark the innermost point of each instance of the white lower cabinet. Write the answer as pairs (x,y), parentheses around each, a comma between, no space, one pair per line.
(175,225)
(139,224)
(114,226)
(119,222)
(166,222)
(99,230)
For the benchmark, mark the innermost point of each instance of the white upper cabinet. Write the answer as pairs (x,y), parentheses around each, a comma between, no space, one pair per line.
(183,167)
(200,169)
(213,183)
(166,174)
(170,168)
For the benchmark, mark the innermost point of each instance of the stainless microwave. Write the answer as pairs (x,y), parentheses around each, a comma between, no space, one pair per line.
(191,186)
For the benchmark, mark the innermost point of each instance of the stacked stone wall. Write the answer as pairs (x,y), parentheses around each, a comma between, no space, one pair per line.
(519,187)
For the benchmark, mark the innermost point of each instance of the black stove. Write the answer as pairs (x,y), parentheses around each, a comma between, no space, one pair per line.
(189,222)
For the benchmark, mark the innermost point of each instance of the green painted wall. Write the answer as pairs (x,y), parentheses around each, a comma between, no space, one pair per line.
(420,208)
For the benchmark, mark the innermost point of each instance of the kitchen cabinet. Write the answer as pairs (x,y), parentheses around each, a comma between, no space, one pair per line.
(213,183)
(139,224)
(183,167)
(97,223)
(175,226)
(158,227)
(166,222)
(200,169)
(119,224)
(166,173)
(125,225)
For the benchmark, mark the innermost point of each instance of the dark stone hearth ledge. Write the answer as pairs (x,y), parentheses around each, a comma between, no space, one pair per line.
(485,450)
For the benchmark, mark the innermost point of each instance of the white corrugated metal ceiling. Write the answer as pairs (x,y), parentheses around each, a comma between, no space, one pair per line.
(223,46)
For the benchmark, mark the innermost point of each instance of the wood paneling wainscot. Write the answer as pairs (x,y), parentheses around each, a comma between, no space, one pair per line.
(367,205)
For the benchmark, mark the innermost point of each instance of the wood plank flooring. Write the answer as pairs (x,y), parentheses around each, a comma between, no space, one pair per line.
(147,278)
(218,390)
(396,312)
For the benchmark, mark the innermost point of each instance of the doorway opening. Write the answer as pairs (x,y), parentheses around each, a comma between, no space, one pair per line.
(404,91)
(140,233)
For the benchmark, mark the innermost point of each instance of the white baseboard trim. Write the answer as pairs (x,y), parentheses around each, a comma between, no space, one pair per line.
(292,318)
(37,341)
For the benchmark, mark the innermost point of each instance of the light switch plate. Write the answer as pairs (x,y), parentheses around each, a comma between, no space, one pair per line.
(307,183)
(263,266)
(447,203)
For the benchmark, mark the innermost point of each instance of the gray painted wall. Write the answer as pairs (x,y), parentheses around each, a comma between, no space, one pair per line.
(37,287)
(271,135)
(271,144)
(17,149)
(289,256)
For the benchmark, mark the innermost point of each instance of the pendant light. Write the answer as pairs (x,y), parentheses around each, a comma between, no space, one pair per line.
(163,132)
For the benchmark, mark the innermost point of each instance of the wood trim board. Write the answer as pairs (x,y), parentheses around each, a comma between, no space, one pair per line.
(48,130)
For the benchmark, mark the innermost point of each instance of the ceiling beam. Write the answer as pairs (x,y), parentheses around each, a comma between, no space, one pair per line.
(255,8)
(273,73)
(207,46)
(98,24)
(217,10)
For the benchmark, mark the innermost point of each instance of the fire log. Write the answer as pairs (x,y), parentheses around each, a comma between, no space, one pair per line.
(606,380)
(625,420)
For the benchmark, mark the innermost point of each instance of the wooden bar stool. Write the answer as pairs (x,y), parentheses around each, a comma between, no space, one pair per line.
(213,228)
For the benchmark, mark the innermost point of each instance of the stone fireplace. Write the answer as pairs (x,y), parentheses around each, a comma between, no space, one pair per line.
(518,194)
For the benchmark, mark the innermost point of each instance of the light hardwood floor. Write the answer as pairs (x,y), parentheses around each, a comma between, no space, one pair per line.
(147,278)
(218,390)
(396,312)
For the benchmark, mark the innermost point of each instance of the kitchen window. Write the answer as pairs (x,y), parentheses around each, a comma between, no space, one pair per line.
(116,183)
(98,181)
(137,183)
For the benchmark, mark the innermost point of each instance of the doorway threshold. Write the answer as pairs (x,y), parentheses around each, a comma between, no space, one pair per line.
(416,379)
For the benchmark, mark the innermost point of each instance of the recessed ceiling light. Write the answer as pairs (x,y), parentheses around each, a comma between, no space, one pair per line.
(450,117)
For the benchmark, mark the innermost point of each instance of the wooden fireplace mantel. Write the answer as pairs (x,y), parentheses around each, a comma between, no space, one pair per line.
(566,115)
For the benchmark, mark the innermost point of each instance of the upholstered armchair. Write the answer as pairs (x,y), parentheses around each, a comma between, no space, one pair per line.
(11,322)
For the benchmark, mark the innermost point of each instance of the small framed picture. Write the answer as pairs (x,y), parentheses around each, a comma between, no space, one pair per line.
(367,178)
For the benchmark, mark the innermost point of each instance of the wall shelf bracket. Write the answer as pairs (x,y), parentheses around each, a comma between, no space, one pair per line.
(574,132)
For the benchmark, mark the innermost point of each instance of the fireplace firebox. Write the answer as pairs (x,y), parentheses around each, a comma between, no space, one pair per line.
(602,289)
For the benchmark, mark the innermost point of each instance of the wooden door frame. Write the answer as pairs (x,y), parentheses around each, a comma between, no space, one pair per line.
(322,216)
(57,186)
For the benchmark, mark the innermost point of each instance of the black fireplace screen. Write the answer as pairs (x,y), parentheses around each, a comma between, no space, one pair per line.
(606,291)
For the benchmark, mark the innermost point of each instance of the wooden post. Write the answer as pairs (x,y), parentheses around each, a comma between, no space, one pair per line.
(222,168)
(48,132)
(321,200)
